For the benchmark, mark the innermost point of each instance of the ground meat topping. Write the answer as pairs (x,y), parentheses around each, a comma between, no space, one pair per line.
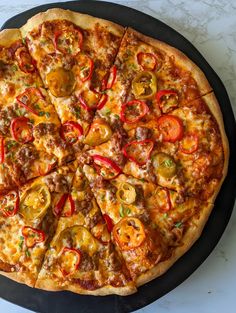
(88,263)
(43,129)
(85,205)
(112,262)
(27,154)
(57,183)
(142,133)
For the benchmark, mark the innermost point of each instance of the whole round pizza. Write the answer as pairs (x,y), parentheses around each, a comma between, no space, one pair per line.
(112,152)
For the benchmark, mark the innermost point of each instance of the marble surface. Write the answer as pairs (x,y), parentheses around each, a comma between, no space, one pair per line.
(211,26)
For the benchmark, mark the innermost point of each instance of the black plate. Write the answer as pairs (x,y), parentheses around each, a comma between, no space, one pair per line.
(60,302)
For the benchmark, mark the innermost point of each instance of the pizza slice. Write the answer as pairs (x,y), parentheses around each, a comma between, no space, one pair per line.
(150,225)
(81,257)
(28,223)
(184,151)
(74,53)
(30,131)
(123,207)
(151,78)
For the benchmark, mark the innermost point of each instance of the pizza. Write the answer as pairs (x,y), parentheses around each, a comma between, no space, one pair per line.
(112,153)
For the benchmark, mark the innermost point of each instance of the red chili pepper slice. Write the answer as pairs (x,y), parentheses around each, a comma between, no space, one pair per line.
(109,79)
(2,150)
(133,111)
(86,66)
(71,131)
(166,199)
(9,204)
(167,100)
(109,222)
(30,99)
(69,41)
(24,60)
(148,61)
(60,204)
(92,100)
(102,101)
(107,168)
(171,127)
(138,151)
(65,265)
(71,205)
(32,236)
(22,129)
(189,143)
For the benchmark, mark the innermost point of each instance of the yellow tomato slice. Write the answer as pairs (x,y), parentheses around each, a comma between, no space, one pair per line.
(61,82)
(35,202)
(99,133)
(144,85)
(126,193)
(129,233)
(77,237)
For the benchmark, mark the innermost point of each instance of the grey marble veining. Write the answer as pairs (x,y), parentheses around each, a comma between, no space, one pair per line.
(211,27)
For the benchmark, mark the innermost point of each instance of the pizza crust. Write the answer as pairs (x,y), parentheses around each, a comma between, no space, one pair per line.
(180,58)
(50,285)
(188,240)
(9,36)
(83,20)
(21,278)
(213,105)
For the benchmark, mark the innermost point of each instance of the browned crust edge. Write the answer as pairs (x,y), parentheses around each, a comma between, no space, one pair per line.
(180,58)
(188,240)
(214,107)
(21,278)
(83,20)
(50,285)
(9,36)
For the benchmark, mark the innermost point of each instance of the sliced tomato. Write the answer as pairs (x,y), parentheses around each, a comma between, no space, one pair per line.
(2,150)
(92,100)
(109,222)
(22,129)
(109,80)
(60,204)
(129,233)
(71,132)
(24,60)
(106,167)
(31,99)
(86,66)
(138,151)
(167,100)
(171,127)
(32,236)
(69,260)
(68,41)
(133,111)
(9,204)
(189,143)
(148,61)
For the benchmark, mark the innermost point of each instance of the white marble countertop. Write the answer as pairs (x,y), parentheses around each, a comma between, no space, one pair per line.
(211,26)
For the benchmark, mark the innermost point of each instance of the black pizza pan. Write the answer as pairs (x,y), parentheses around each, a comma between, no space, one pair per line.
(60,302)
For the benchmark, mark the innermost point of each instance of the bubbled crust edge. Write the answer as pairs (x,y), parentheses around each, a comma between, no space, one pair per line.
(83,20)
